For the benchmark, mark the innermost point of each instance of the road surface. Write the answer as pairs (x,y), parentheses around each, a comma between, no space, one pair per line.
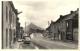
(39,42)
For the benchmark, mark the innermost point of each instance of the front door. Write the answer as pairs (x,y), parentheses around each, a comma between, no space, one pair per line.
(69,30)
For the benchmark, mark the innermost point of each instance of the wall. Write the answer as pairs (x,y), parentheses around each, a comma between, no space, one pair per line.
(8,24)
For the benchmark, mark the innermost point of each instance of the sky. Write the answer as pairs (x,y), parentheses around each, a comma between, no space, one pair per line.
(41,12)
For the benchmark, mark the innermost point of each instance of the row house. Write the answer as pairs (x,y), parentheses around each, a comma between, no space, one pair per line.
(19,30)
(50,30)
(9,14)
(65,28)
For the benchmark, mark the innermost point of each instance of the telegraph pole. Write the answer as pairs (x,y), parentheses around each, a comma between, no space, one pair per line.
(25,27)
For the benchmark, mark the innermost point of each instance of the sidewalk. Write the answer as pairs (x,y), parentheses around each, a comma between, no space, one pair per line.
(16,45)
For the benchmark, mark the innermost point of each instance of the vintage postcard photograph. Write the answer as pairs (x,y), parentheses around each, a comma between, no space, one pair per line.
(40,24)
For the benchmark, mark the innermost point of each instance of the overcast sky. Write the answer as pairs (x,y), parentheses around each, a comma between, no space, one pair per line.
(40,12)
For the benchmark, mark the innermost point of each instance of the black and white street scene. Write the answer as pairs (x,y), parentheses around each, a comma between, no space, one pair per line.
(40,24)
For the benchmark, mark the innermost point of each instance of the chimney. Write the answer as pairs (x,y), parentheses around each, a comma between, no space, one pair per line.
(61,16)
(72,12)
(77,9)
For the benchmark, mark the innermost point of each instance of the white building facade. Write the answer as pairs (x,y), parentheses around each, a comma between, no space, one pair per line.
(9,15)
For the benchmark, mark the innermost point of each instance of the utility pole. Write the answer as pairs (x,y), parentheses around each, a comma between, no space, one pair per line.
(25,27)
(48,23)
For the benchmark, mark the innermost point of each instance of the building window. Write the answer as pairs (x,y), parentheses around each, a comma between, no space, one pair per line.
(6,13)
(67,24)
(13,17)
(6,37)
(10,34)
(10,16)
